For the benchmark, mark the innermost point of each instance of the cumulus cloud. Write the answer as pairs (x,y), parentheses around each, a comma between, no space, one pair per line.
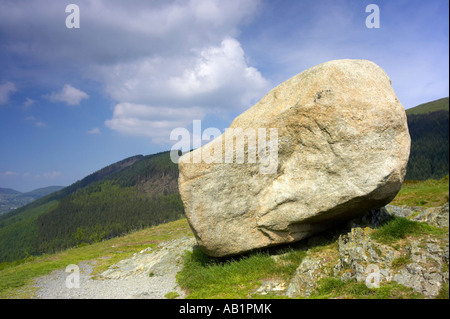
(68,95)
(35,121)
(220,70)
(113,31)
(28,102)
(9,173)
(195,67)
(181,58)
(94,131)
(52,175)
(155,122)
(158,95)
(6,89)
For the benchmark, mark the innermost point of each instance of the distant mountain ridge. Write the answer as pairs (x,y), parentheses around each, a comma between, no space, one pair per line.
(8,191)
(12,199)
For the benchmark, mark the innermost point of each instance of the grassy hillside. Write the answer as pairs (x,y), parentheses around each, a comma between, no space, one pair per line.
(433,106)
(429,193)
(132,194)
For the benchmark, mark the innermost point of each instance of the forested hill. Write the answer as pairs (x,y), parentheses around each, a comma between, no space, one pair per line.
(134,193)
(429,129)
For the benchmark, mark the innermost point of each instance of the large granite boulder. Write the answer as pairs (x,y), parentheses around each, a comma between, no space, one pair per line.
(340,146)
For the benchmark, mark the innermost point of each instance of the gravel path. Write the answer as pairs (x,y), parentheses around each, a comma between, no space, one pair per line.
(147,275)
(54,286)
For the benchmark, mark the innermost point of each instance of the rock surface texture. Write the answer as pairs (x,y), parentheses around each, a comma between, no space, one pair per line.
(342,148)
(420,263)
(149,274)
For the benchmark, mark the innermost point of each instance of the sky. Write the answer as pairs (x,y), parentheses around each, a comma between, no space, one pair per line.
(76,99)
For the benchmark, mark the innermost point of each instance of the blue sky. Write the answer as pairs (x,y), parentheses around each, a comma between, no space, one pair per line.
(75,100)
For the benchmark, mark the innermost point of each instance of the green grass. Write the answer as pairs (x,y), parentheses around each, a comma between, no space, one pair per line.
(16,277)
(401,261)
(429,193)
(443,293)
(212,278)
(331,287)
(399,228)
(437,105)
(171,295)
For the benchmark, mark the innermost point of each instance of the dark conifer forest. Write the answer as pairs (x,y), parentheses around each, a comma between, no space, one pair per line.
(429,129)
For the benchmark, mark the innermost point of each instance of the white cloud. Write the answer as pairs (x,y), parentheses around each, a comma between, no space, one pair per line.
(35,121)
(9,173)
(68,95)
(95,130)
(113,31)
(6,89)
(52,175)
(30,118)
(208,80)
(151,121)
(217,70)
(201,77)
(29,102)
(182,57)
